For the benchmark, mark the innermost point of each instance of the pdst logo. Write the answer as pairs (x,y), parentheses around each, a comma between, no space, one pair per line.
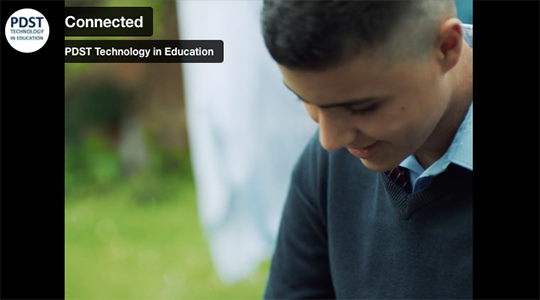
(27,30)
(23,22)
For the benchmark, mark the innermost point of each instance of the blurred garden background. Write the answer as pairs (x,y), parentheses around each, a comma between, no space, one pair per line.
(131,222)
(132,228)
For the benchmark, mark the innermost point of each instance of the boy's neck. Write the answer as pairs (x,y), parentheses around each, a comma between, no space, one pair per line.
(462,93)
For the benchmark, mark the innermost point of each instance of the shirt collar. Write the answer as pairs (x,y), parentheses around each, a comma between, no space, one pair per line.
(462,147)
(459,152)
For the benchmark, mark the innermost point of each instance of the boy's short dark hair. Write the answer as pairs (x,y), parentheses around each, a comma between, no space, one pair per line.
(315,35)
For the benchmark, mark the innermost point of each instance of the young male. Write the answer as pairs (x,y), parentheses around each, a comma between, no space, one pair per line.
(380,203)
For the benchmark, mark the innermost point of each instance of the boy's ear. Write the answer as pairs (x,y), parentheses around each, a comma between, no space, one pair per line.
(448,44)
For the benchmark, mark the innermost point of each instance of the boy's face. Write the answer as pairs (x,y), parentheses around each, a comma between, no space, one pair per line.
(403,105)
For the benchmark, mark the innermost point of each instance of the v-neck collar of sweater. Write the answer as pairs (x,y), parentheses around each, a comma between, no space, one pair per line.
(409,203)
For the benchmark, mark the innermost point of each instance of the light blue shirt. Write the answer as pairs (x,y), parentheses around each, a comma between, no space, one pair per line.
(459,152)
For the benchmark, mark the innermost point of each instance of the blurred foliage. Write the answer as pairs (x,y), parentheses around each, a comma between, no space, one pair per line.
(71,70)
(95,164)
(97,103)
(118,247)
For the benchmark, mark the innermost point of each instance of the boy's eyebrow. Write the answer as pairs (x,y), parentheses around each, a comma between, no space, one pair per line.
(341,104)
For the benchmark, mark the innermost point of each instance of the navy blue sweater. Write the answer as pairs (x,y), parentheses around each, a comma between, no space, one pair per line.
(350,233)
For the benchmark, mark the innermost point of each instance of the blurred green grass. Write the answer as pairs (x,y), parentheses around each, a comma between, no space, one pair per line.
(140,238)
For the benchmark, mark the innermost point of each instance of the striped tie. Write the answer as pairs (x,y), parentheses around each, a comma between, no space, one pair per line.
(400,176)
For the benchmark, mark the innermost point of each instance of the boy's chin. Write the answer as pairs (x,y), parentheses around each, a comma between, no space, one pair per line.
(378,166)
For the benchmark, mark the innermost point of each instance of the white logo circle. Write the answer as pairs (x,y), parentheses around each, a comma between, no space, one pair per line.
(27,30)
